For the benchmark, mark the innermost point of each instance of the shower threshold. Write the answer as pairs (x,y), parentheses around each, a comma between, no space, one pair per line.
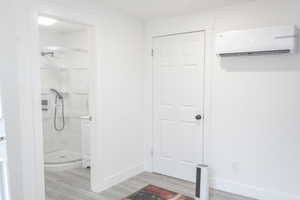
(63,160)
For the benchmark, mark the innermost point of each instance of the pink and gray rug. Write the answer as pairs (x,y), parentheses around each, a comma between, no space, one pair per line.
(152,192)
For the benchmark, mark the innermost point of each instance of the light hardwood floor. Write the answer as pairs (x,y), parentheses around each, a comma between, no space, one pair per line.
(74,185)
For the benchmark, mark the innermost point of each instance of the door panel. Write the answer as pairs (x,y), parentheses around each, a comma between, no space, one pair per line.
(168,85)
(168,147)
(178,98)
(190,88)
(3,167)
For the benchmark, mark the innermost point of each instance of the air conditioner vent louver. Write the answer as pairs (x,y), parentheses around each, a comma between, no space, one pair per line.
(256,53)
(271,40)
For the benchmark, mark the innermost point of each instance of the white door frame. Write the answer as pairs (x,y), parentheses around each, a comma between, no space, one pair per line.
(31,184)
(206,91)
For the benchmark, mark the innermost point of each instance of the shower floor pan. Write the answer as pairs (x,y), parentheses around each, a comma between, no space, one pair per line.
(62,160)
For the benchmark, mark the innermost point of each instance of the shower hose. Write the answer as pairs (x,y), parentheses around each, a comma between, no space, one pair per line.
(62,112)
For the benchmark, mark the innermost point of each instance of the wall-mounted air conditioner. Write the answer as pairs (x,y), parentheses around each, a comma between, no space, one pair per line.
(270,40)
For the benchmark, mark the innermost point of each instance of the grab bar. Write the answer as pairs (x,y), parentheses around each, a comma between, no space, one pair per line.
(88,117)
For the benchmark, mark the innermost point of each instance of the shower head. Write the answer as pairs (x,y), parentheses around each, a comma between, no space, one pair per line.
(47,53)
(57,93)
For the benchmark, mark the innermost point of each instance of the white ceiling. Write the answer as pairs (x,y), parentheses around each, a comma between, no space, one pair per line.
(151,9)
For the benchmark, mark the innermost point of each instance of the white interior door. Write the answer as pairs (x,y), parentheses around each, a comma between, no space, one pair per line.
(3,167)
(178,104)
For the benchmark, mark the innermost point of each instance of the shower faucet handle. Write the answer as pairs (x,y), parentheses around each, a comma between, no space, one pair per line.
(2,139)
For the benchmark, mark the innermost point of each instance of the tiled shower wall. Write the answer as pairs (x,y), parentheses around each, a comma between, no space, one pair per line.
(72,78)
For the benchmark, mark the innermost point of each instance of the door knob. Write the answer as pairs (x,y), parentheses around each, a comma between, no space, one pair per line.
(198,117)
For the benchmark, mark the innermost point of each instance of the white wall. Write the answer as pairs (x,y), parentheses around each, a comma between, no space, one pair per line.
(18,100)
(9,92)
(252,119)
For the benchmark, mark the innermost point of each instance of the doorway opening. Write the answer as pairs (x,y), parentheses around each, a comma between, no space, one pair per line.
(66,102)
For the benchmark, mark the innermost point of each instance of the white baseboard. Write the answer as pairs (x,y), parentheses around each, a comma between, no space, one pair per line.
(219,184)
(120,177)
(250,191)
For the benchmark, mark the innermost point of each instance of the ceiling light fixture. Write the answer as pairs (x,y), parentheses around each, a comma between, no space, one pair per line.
(46,21)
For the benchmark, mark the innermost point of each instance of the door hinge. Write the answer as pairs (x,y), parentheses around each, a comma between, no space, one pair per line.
(152,52)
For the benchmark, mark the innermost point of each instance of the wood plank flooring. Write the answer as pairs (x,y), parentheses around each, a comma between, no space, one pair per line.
(75,185)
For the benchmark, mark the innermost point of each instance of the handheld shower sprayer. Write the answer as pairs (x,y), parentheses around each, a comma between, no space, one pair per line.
(47,54)
(58,96)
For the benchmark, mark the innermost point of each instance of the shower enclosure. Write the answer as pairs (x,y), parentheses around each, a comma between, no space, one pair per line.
(65,94)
